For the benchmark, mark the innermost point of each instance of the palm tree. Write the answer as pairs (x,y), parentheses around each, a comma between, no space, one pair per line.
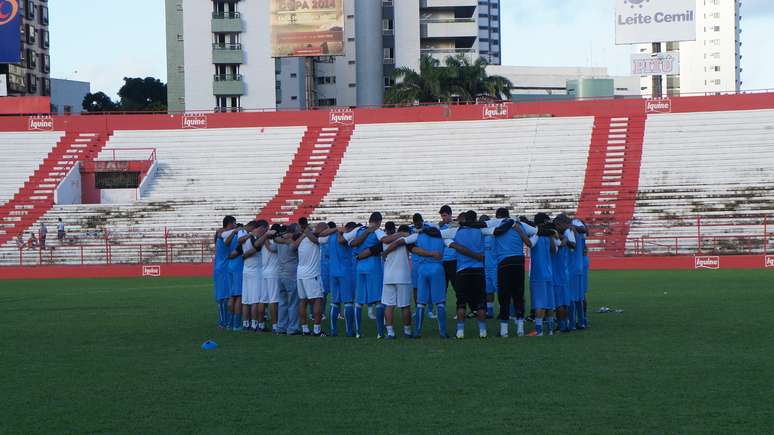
(425,86)
(460,79)
(469,80)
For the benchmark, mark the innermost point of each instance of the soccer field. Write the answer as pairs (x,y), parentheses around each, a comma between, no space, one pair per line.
(691,352)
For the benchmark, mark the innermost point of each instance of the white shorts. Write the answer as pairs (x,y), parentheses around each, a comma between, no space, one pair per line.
(396,295)
(270,291)
(251,288)
(310,288)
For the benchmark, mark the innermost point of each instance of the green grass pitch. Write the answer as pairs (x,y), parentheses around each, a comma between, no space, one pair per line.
(692,352)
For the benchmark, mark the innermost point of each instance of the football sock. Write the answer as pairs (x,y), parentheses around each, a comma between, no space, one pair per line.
(520,326)
(274,327)
(419,319)
(490,309)
(254,324)
(390,331)
(305,329)
(317,329)
(482,326)
(349,319)
(335,309)
(407,331)
(380,320)
(460,325)
(539,326)
(371,312)
(261,326)
(358,318)
(228,319)
(245,324)
(571,314)
(503,329)
(581,313)
(237,321)
(513,310)
(550,325)
(442,319)
(221,314)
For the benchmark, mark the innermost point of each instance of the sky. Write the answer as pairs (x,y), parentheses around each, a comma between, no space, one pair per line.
(103,41)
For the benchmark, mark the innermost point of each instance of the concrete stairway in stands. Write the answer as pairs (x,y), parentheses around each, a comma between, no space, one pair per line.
(310,175)
(36,196)
(612,182)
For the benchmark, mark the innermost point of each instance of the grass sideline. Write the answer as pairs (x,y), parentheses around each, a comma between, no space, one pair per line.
(691,353)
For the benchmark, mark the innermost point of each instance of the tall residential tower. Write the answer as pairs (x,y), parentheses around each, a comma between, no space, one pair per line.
(219,51)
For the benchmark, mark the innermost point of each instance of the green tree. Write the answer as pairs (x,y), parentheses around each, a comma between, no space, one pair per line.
(98,102)
(138,94)
(459,79)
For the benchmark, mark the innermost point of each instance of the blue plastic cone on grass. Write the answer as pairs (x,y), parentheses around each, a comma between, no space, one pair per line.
(209,345)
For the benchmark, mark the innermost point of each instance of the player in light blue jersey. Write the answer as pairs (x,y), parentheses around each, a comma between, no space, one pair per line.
(470,281)
(342,271)
(235,267)
(578,275)
(449,255)
(325,271)
(427,248)
(510,239)
(367,245)
(561,272)
(490,269)
(220,273)
(541,276)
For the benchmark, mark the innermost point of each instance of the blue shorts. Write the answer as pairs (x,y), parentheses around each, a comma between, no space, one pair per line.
(369,288)
(576,287)
(491,281)
(342,289)
(431,281)
(325,276)
(414,275)
(220,279)
(235,282)
(562,295)
(542,294)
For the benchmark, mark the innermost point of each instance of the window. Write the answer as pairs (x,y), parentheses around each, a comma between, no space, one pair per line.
(293,75)
(44,15)
(326,102)
(294,98)
(388,56)
(44,43)
(68,109)
(387,26)
(32,59)
(45,64)
(328,80)
(29,6)
(30,32)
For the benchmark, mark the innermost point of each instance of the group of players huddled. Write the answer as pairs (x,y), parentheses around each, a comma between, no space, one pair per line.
(293,270)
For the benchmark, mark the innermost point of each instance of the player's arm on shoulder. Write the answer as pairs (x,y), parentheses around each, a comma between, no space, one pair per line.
(425,253)
(462,249)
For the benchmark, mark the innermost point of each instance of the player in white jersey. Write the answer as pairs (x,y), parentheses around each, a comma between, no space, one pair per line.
(396,289)
(310,289)
(269,295)
(252,273)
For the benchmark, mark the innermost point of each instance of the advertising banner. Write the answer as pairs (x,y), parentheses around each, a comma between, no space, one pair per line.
(656,64)
(10,31)
(646,21)
(307,28)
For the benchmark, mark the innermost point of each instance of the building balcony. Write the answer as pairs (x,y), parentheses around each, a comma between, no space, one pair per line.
(228,85)
(227,54)
(449,28)
(227,22)
(442,53)
(447,3)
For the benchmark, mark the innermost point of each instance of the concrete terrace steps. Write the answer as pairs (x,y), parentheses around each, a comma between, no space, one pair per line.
(37,195)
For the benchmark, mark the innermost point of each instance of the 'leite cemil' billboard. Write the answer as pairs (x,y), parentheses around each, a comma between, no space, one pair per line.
(307,28)
(645,21)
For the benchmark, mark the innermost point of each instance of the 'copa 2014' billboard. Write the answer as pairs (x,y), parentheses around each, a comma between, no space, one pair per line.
(10,31)
(307,28)
(646,21)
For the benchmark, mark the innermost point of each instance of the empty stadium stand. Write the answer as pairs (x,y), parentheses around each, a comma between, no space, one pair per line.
(696,181)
